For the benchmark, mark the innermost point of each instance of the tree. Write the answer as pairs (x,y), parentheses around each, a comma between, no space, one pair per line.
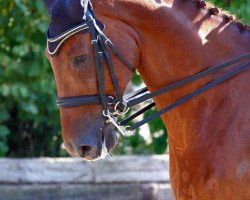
(29,120)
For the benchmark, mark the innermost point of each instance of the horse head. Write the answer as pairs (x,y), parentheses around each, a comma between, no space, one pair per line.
(86,132)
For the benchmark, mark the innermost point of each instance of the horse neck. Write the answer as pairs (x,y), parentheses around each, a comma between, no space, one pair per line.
(180,39)
(177,39)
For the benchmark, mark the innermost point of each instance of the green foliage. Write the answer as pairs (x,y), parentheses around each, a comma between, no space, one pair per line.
(240,8)
(136,80)
(29,120)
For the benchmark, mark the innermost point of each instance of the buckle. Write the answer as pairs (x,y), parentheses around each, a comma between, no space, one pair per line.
(110,100)
(121,108)
(124,131)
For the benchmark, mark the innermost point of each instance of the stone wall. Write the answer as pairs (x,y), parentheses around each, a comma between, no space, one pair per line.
(114,178)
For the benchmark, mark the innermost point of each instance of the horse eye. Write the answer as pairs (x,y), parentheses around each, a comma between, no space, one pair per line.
(80,60)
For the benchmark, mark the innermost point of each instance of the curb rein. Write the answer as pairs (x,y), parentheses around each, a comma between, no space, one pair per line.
(121,104)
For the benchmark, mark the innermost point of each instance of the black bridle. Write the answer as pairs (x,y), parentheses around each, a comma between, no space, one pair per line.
(119,104)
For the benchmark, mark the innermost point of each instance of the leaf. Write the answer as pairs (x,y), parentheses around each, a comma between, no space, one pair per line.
(136,80)
(4,131)
(5,90)
(29,107)
(3,148)
(4,115)
(24,91)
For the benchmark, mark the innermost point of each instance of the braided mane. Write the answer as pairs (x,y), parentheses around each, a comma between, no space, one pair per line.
(214,10)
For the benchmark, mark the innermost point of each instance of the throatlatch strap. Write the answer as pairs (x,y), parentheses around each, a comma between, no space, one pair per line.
(119,55)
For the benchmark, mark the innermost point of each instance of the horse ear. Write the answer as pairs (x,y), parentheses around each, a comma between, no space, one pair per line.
(48,3)
(84,4)
(77,7)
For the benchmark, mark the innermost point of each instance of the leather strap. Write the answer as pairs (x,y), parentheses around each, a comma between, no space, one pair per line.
(191,95)
(135,101)
(111,71)
(98,56)
(119,55)
(130,118)
(67,102)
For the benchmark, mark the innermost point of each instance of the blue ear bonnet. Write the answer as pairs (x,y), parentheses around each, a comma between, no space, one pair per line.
(64,17)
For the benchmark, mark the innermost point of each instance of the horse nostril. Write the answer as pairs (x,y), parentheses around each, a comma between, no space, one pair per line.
(83,150)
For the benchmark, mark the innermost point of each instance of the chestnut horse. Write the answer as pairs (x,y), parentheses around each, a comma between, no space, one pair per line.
(167,40)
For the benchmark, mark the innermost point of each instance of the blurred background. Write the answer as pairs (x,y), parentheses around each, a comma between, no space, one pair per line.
(29,118)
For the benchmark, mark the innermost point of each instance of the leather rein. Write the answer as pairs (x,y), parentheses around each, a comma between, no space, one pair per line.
(119,104)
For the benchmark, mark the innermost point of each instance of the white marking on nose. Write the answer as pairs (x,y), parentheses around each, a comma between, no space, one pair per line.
(104,152)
